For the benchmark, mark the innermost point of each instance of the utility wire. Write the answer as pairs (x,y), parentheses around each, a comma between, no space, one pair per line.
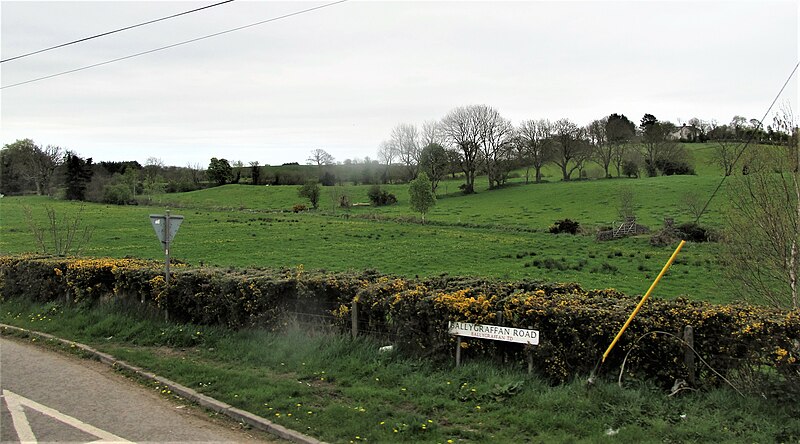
(112,32)
(747,143)
(176,44)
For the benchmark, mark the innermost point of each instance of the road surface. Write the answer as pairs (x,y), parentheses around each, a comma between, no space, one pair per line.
(52,397)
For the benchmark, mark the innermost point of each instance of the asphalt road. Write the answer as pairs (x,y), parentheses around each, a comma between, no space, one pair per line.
(51,397)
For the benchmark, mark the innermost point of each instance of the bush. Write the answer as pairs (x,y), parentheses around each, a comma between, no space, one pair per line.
(565,226)
(297,208)
(693,232)
(380,197)
(575,325)
(119,194)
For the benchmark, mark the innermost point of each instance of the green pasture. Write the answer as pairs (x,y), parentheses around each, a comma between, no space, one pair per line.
(495,233)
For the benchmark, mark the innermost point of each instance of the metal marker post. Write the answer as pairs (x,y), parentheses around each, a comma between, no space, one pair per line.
(166,249)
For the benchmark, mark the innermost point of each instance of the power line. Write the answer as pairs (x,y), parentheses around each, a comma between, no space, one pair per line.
(175,44)
(749,139)
(112,32)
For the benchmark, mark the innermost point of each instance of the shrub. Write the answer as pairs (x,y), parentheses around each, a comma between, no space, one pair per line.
(693,232)
(575,325)
(565,226)
(298,208)
(380,197)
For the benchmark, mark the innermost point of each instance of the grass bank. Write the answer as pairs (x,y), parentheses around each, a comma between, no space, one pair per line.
(342,390)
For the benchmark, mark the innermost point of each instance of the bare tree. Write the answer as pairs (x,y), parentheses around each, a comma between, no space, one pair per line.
(320,158)
(570,150)
(535,137)
(602,151)
(726,147)
(38,163)
(495,133)
(762,251)
(386,155)
(432,134)
(405,139)
(462,131)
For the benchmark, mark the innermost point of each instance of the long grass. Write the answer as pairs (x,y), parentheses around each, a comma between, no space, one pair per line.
(342,390)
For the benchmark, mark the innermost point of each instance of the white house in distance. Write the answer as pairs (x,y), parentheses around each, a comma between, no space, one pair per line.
(686,132)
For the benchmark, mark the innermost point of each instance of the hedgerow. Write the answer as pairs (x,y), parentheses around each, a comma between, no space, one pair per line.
(575,325)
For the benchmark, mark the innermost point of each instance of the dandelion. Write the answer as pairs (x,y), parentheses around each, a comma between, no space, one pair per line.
(477,407)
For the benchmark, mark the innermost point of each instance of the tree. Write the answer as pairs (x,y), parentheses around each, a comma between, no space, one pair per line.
(602,151)
(219,171)
(434,163)
(77,176)
(762,251)
(726,148)
(33,164)
(656,144)
(421,196)
(255,173)
(620,131)
(237,168)
(570,149)
(535,137)
(405,140)
(494,135)
(320,158)
(311,191)
(386,155)
(432,133)
(460,127)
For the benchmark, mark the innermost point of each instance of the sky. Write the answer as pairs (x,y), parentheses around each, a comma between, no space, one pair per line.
(340,78)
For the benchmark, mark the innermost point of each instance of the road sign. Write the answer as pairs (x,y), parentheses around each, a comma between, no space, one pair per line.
(166,227)
(160,224)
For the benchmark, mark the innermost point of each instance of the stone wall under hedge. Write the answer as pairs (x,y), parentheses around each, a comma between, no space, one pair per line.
(575,325)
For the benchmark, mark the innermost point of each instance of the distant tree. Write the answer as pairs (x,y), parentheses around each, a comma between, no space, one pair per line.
(656,143)
(495,132)
(405,140)
(421,196)
(386,155)
(570,150)
(602,150)
(432,134)
(536,137)
(219,171)
(237,167)
(434,163)
(726,148)
(311,191)
(77,176)
(255,173)
(620,132)
(320,158)
(34,164)
(460,127)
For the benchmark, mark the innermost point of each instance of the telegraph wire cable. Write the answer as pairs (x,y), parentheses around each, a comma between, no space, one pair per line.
(113,32)
(747,143)
(239,28)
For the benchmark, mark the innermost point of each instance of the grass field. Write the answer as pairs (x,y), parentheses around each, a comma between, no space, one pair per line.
(342,390)
(500,233)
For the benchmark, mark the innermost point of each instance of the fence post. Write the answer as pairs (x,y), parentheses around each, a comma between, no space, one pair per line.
(688,353)
(458,351)
(530,355)
(354,318)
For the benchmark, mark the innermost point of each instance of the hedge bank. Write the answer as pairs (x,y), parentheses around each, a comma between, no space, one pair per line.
(575,325)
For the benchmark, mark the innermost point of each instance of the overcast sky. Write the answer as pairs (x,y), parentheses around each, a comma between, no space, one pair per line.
(340,78)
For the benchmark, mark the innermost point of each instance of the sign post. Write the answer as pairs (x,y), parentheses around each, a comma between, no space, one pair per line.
(529,337)
(166,226)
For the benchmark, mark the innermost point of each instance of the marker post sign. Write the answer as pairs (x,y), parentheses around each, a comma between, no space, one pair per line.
(494,332)
(166,227)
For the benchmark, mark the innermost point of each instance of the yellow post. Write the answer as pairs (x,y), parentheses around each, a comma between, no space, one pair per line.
(644,298)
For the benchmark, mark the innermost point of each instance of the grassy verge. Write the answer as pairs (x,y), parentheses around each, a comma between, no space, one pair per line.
(342,390)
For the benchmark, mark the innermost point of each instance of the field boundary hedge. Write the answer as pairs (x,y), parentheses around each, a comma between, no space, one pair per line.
(575,325)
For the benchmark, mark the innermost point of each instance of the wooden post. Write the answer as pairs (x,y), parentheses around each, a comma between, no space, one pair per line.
(458,351)
(530,356)
(688,353)
(354,318)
